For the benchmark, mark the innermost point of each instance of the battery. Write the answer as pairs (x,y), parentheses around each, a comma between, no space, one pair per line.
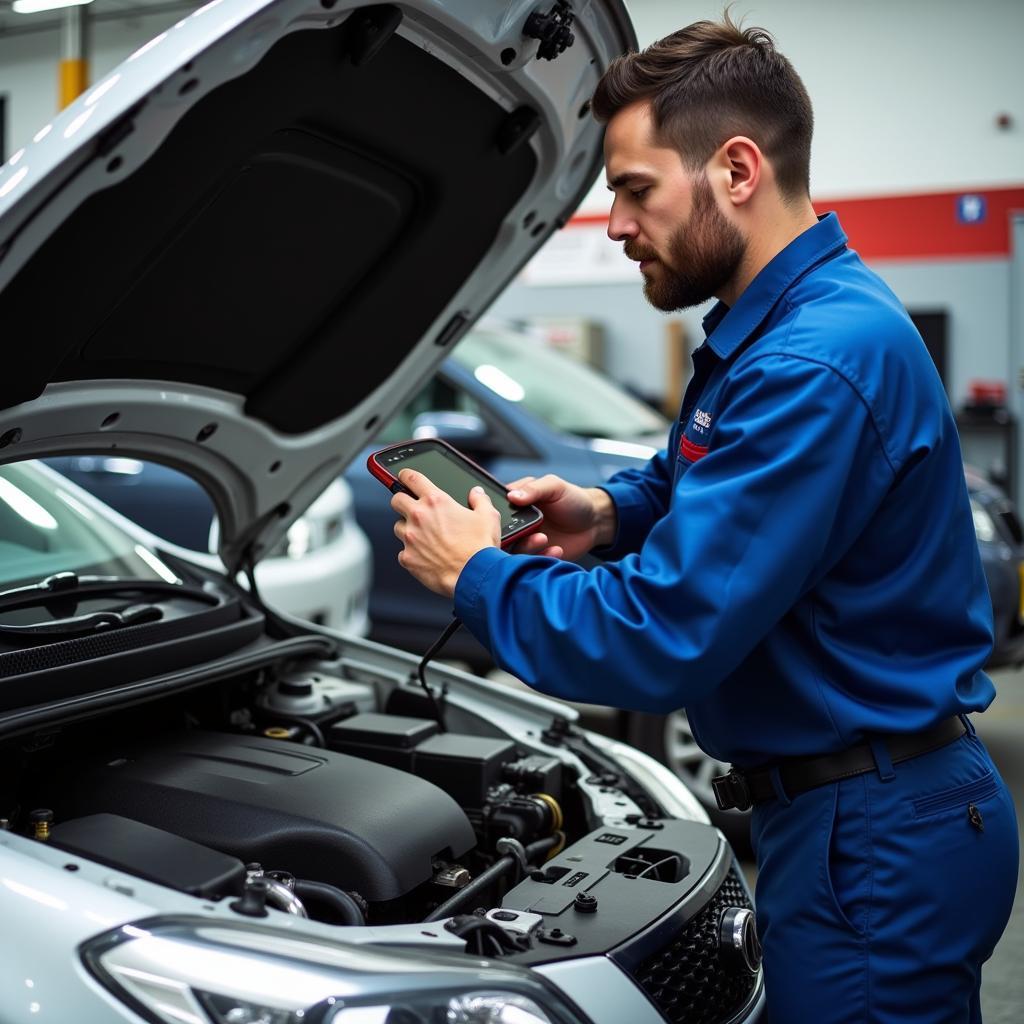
(386,739)
(465,767)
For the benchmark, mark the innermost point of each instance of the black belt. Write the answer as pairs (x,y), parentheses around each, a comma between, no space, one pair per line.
(742,789)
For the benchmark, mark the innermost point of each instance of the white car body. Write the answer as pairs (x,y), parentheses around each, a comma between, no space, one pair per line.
(281,213)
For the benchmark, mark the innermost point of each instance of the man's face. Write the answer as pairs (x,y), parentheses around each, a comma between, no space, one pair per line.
(667,216)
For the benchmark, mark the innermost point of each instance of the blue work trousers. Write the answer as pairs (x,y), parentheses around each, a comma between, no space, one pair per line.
(880,897)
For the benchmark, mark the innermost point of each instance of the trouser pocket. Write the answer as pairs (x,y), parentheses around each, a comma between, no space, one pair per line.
(846,860)
(964,798)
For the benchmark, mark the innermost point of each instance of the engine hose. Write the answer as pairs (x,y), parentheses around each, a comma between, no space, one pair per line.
(541,847)
(312,728)
(559,845)
(344,906)
(486,878)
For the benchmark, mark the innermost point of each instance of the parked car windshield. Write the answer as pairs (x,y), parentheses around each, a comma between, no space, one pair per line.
(567,394)
(45,529)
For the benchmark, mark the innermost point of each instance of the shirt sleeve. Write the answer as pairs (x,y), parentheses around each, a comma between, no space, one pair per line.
(641,496)
(795,470)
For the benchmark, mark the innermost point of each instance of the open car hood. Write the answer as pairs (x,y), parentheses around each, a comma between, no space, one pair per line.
(245,247)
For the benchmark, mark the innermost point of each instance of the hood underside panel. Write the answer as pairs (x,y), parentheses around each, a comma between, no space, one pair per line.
(303,226)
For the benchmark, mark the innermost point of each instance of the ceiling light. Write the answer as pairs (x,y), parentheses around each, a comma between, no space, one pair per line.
(34,6)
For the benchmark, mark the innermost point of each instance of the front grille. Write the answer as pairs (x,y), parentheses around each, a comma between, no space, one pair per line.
(686,979)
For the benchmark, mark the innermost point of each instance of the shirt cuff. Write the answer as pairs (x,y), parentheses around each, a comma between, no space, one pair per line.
(632,522)
(469,604)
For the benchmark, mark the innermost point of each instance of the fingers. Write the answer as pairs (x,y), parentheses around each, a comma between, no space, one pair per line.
(481,504)
(521,482)
(420,485)
(519,491)
(531,491)
(534,544)
(422,490)
(538,544)
(478,499)
(403,504)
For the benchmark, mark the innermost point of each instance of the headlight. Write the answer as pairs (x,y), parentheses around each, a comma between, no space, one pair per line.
(299,538)
(307,534)
(984,526)
(304,535)
(205,972)
(470,1008)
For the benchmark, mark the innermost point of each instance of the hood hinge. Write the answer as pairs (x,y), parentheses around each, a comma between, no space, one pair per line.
(552,29)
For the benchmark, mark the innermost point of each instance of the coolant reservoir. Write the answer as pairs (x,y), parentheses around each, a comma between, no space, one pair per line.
(309,693)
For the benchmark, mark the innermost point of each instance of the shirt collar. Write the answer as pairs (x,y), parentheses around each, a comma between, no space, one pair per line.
(727,328)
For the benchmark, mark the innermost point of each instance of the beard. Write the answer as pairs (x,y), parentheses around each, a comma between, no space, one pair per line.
(703,256)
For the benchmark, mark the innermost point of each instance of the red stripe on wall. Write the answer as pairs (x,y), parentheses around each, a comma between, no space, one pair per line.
(912,227)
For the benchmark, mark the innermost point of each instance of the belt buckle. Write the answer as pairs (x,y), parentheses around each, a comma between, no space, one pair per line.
(731,791)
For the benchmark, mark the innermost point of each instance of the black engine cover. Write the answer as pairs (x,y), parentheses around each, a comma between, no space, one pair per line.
(313,812)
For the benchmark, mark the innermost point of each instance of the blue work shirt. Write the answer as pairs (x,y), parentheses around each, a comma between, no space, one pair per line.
(799,566)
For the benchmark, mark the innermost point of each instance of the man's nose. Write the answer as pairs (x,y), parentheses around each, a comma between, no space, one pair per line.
(621,226)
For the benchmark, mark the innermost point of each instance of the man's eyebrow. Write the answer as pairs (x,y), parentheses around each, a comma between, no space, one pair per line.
(625,178)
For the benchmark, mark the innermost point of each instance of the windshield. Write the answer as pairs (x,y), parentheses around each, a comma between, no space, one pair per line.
(566,394)
(45,529)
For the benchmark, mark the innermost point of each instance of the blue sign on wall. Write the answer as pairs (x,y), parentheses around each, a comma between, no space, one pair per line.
(971,209)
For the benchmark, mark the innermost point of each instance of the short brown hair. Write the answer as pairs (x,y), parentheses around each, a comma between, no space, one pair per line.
(710,81)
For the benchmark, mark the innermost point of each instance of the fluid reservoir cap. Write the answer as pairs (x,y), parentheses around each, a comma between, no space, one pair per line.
(738,942)
(585,903)
(253,902)
(295,688)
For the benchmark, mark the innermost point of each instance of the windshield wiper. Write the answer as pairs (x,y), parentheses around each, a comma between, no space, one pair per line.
(79,625)
(55,584)
(71,585)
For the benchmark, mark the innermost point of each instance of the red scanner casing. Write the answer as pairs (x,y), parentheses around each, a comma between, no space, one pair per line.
(514,526)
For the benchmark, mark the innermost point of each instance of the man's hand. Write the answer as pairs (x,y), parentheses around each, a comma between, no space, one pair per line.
(576,519)
(439,534)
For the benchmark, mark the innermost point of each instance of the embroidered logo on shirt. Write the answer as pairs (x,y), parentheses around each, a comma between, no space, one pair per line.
(702,420)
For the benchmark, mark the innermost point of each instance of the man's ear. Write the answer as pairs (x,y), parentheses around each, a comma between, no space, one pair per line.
(740,165)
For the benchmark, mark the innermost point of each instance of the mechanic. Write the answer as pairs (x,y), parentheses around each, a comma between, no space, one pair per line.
(798,569)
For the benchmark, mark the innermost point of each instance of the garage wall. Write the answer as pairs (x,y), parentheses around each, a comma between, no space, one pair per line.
(906,98)
(975,293)
(906,94)
(29,60)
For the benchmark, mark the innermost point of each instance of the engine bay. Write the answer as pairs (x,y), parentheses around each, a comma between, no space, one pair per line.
(312,776)
(328,780)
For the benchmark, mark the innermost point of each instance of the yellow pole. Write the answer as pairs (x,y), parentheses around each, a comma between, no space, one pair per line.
(74,79)
(73,73)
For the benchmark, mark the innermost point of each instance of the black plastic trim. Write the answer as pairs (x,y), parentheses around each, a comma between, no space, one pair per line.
(90,705)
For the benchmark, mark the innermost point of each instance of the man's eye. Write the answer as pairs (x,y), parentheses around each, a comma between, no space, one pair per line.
(639,193)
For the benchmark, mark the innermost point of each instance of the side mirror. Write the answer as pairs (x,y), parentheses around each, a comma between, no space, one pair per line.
(464,430)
